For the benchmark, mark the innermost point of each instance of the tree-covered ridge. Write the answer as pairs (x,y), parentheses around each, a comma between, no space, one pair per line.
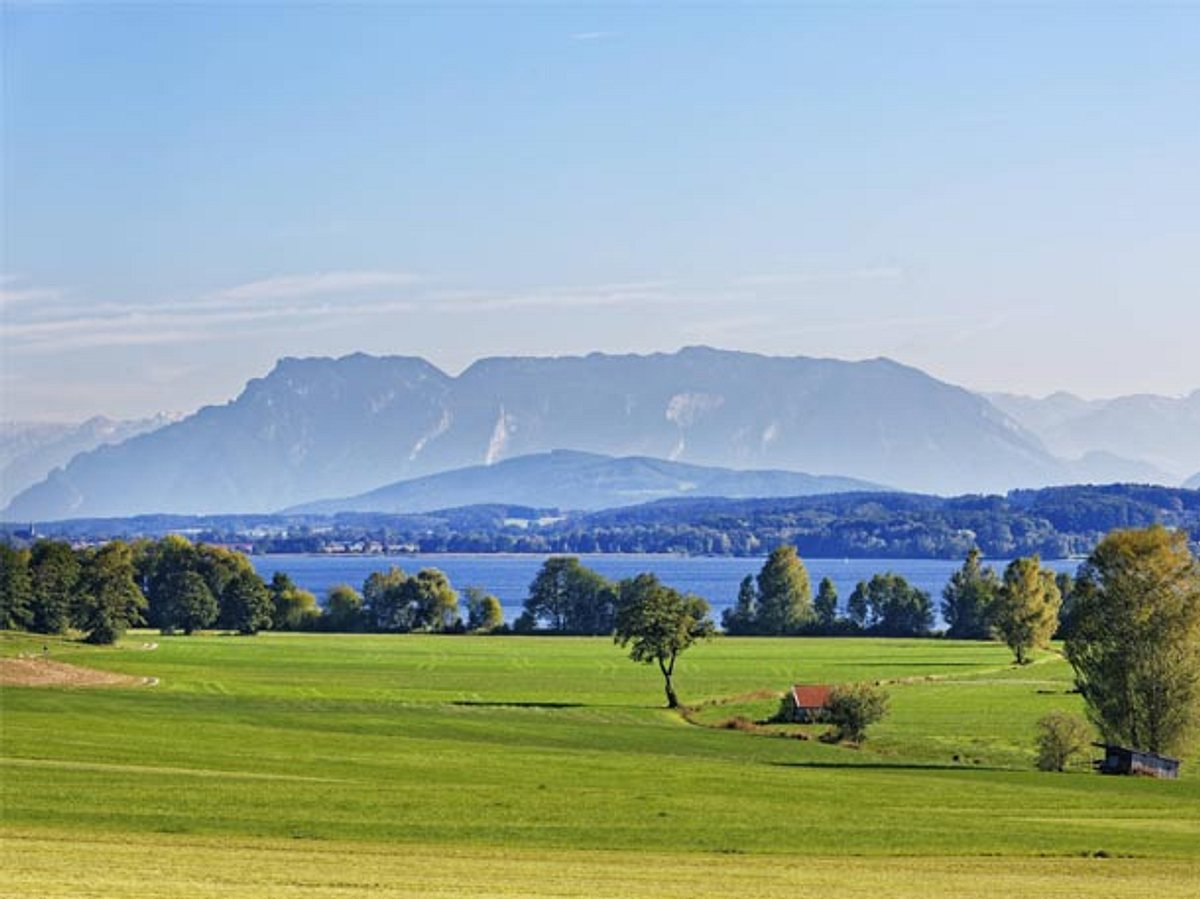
(1055,522)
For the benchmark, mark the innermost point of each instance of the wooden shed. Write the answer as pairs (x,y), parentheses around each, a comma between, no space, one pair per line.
(805,703)
(1121,760)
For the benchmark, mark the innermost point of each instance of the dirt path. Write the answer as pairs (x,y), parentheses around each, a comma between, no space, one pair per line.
(39,672)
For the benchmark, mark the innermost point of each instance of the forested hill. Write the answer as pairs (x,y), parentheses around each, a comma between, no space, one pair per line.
(1055,522)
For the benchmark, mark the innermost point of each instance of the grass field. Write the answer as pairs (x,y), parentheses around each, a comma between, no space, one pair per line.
(323,765)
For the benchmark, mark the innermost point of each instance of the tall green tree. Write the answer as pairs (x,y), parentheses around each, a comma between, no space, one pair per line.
(343,610)
(387,604)
(292,608)
(567,597)
(54,570)
(434,603)
(852,708)
(110,601)
(1135,639)
(219,566)
(16,588)
(742,616)
(659,623)
(164,564)
(967,599)
(889,605)
(1025,611)
(484,612)
(245,603)
(191,605)
(826,605)
(784,593)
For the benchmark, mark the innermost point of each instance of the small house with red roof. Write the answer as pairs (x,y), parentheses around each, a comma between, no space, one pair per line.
(805,703)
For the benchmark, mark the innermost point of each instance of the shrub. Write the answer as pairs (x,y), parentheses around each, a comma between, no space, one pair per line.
(1061,736)
(853,708)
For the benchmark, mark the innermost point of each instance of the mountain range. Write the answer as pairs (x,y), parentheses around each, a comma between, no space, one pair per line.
(31,450)
(319,427)
(1161,431)
(569,479)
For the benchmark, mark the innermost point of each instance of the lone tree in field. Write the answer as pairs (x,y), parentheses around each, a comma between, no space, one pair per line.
(660,623)
(1135,639)
(1025,611)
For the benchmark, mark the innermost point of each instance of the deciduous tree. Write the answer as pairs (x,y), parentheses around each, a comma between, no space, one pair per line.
(1135,639)
(484,612)
(1061,736)
(16,588)
(852,708)
(246,604)
(887,604)
(1025,611)
(54,570)
(658,623)
(567,597)
(292,608)
(343,609)
(110,601)
(784,593)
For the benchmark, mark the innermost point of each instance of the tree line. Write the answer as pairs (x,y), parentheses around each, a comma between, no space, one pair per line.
(1130,620)
(180,587)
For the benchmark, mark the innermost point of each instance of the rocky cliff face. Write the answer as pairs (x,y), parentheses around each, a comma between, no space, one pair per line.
(316,428)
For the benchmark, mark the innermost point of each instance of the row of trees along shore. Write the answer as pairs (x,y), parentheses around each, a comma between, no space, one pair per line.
(1130,620)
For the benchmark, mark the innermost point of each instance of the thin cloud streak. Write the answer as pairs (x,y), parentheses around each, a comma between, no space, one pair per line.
(802,279)
(26,295)
(293,286)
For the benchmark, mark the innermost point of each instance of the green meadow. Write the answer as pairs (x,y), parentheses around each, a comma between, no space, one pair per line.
(330,765)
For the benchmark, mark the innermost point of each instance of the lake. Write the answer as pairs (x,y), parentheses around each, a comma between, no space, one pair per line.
(716,578)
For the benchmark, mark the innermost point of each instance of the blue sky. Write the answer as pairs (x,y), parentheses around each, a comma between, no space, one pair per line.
(1005,196)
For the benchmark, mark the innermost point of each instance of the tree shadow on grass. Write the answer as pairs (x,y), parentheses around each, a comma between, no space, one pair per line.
(896,766)
(515,704)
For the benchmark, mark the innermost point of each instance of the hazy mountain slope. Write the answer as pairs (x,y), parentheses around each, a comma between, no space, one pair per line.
(568,479)
(1193,483)
(31,450)
(1163,432)
(309,428)
(315,428)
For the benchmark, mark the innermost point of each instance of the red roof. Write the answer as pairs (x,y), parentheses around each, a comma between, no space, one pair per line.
(810,696)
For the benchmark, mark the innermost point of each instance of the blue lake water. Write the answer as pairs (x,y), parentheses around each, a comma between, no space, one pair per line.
(508,576)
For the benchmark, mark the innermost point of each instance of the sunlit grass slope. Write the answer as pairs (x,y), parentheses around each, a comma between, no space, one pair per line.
(263,756)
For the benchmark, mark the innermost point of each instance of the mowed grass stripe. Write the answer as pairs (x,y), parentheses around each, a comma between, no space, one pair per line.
(50,864)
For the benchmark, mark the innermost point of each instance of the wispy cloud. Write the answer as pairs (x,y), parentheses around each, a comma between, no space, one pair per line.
(74,322)
(594,35)
(317,284)
(13,295)
(829,276)
(577,297)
